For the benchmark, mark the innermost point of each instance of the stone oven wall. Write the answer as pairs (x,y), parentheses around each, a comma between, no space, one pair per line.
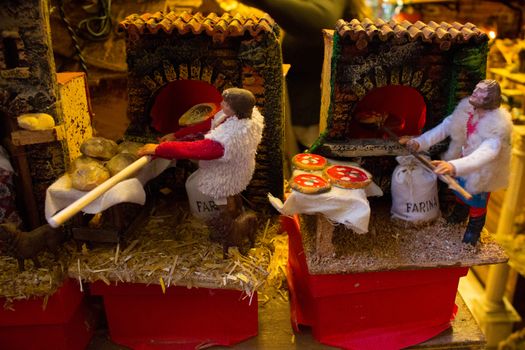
(443,62)
(222,51)
(28,85)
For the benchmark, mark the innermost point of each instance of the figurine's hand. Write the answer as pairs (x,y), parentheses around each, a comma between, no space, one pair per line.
(167,137)
(443,168)
(148,148)
(409,141)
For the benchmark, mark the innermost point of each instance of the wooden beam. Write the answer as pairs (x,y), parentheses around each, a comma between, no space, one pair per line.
(362,148)
(32,137)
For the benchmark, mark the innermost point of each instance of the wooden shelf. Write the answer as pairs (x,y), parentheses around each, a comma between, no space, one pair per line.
(31,137)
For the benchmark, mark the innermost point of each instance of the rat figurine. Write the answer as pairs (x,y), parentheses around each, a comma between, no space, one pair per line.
(240,226)
(27,245)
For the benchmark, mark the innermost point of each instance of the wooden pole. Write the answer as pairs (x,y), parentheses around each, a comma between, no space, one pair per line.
(23,180)
(65,214)
(449,180)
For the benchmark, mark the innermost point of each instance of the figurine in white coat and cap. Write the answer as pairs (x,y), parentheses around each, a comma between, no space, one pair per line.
(478,154)
(225,146)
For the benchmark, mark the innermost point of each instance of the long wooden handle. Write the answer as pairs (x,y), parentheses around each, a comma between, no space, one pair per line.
(449,180)
(65,214)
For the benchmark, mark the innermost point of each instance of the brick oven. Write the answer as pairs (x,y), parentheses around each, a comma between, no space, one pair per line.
(413,73)
(176,60)
(407,77)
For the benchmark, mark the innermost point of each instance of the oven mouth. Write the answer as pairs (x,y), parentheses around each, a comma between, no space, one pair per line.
(174,99)
(400,108)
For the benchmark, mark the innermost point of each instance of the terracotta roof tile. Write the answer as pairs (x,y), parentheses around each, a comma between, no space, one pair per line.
(443,34)
(414,33)
(419,25)
(219,27)
(385,32)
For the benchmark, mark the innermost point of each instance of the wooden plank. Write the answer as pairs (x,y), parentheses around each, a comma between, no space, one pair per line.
(32,137)
(115,224)
(326,74)
(362,148)
(96,235)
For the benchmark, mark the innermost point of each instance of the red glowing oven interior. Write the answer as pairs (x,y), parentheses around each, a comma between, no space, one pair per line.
(177,97)
(401,109)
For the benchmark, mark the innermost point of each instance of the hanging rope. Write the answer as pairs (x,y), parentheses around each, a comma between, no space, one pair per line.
(98,27)
(73,35)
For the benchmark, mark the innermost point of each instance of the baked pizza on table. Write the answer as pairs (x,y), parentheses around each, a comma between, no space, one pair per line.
(347,176)
(309,161)
(309,184)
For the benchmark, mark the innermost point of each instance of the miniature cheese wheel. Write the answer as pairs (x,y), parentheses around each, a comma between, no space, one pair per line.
(346,176)
(310,184)
(87,175)
(99,147)
(309,161)
(119,162)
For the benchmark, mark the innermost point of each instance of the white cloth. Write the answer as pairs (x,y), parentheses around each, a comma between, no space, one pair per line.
(349,207)
(482,158)
(61,194)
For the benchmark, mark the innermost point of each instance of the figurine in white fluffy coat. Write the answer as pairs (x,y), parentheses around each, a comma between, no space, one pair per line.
(231,174)
(226,152)
(478,154)
(225,146)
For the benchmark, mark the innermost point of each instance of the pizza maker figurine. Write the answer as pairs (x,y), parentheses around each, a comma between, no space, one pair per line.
(225,147)
(478,155)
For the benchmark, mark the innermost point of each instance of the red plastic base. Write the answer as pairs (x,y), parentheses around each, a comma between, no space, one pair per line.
(377,310)
(141,317)
(64,324)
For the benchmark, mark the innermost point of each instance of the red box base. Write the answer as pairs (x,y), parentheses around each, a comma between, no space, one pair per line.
(64,324)
(376,310)
(141,317)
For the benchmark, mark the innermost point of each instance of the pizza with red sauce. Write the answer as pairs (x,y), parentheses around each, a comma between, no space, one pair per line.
(309,161)
(346,176)
(309,184)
